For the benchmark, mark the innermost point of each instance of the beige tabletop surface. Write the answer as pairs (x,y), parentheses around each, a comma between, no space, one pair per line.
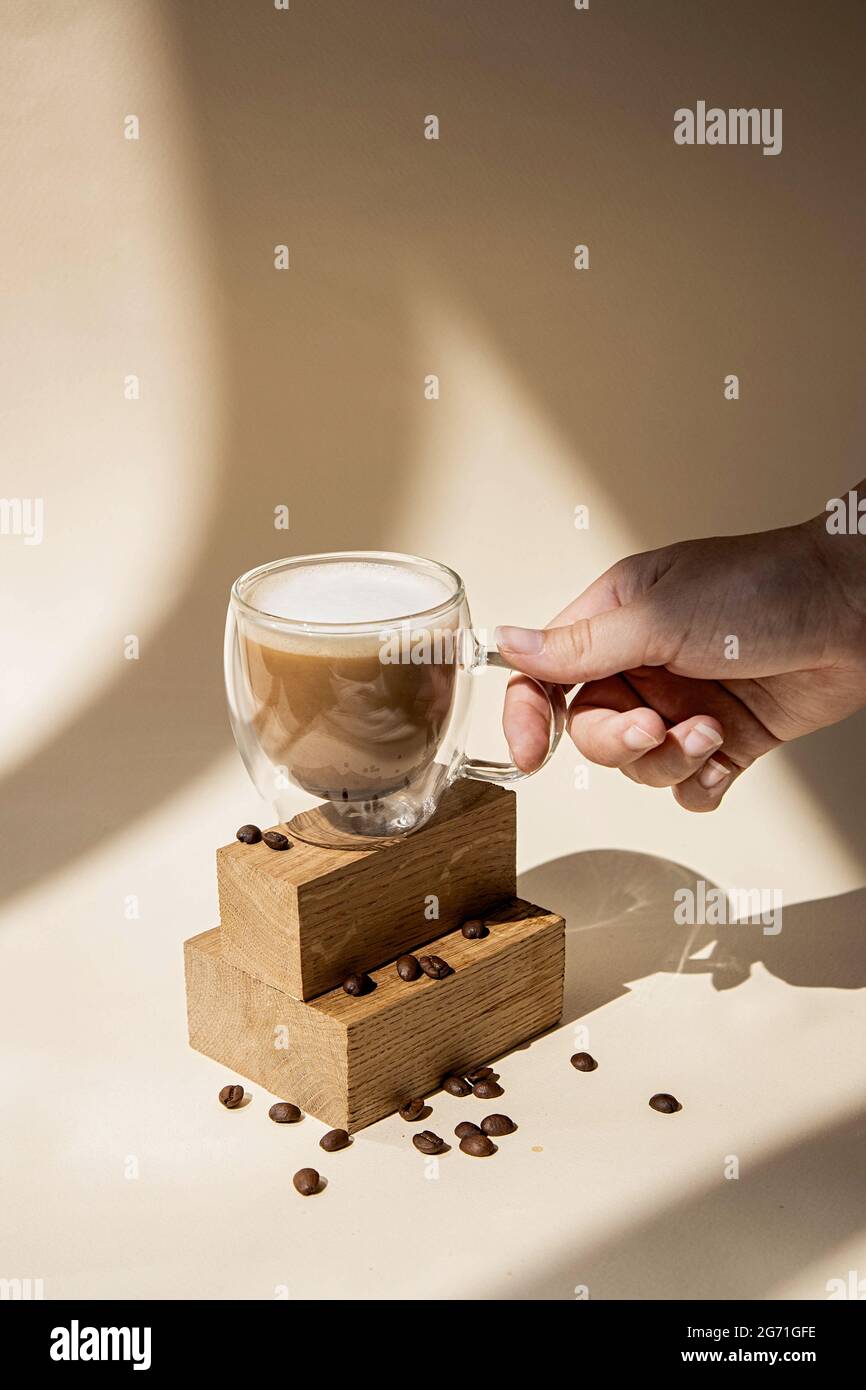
(123,1176)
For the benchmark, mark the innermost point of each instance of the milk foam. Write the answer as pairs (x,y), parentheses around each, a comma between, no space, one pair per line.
(349,591)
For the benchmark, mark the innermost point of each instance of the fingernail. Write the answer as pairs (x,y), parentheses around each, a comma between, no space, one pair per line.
(712,773)
(638,740)
(701,740)
(526,641)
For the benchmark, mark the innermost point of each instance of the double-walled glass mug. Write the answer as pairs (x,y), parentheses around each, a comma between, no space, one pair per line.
(350,676)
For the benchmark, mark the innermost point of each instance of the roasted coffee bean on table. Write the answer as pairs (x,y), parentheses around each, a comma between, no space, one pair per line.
(412,1109)
(474,930)
(356,985)
(435,967)
(275,839)
(581,1061)
(481,1074)
(408,968)
(249,835)
(334,1139)
(231,1096)
(306,1181)
(664,1103)
(465,1128)
(284,1113)
(456,1086)
(429,1143)
(478,1145)
(488,1090)
(498,1125)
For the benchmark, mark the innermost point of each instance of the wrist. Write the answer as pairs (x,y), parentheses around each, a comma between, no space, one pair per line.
(836,538)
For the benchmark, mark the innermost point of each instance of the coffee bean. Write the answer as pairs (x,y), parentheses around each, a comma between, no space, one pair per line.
(231,1096)
(306,1181)
(456,1086)
(356,985)
(664,1103)
(481,1074)
(487,1090)
(274,839)
(249,835)
(408,968)
(478,1145)
(412,1109)
(498,1125)
(334,1139)
(582,1061)
(435,967)
(465,1128)
(284,1113)
(429,1143)
(474,930)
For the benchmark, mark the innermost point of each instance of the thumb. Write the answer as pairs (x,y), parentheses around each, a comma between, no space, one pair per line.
(588,649)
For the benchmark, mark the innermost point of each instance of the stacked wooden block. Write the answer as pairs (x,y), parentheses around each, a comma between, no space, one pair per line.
(264,989)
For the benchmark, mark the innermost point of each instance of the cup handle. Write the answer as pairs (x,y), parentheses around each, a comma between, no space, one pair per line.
(480,771)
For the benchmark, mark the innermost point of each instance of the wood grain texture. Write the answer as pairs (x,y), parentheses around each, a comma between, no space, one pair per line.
(352,1061)
(238,1021)
(304,919)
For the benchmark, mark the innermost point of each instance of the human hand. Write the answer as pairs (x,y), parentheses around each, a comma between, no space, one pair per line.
(697,658)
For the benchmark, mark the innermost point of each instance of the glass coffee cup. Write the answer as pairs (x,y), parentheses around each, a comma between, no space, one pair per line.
(350,677)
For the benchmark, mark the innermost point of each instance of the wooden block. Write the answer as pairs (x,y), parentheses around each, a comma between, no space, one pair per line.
(305,918)
(351,1061)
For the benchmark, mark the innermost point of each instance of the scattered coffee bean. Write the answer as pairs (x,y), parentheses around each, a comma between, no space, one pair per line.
(284,1113)
(408,968)
(334,1139)
(456,1086)
(487,1090)
(306,1181)
(481,1074)
(435,967)
(474,930)
(478,1145)
(582,1061)
(275,839)
(356,985)
(231,1096)
(465,1128)
(412,1109)
(249,835)
(664,1103)
(429,1143)
(498,1125)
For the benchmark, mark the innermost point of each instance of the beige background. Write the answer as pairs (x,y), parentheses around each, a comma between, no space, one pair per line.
(305,388)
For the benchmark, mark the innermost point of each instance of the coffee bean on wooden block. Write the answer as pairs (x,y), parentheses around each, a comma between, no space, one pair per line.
(231,1096)
(284,1113)
(474,930)
(335,1139)
(412,1109)
(481,1074)
(581,1061)
(275,839)
(356,985)
(664,1103)
(429,1143)
(478,1145)
(465,1128)
(435,967)
(249,835)
(306,1181)
(488,1090)
(498,1125)
(408,968)
(456,1086)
